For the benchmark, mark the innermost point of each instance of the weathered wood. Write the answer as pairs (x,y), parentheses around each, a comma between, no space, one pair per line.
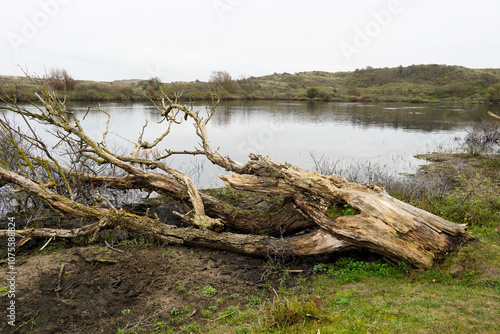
(383,225)
(285,220)
(316,242)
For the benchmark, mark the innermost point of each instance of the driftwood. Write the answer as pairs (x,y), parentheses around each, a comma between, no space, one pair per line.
(300,225)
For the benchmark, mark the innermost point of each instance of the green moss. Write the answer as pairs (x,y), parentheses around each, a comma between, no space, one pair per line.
(342,209)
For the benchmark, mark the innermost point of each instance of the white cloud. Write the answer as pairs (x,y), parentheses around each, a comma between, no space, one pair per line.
(187,40)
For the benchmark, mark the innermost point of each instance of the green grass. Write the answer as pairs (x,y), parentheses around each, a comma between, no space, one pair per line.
(352,296)
(348,270)
(459,294)
(209,290)
(377,306)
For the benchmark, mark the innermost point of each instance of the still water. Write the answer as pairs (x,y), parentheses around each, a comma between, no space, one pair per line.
(386,135)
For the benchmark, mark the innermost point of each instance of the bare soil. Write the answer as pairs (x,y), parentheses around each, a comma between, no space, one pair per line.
(96,289)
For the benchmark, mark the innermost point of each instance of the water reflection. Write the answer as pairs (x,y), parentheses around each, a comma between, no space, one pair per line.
(386,134)
(426,117)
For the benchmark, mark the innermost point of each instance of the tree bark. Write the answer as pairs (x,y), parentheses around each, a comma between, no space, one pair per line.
(286,219)
(316,242)
(384,225)
(299,225)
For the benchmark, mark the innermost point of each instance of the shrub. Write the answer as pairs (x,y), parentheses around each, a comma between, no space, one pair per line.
(222,79)
(59,79)
(482,137)
(493,93)
(312,92)
(324,95)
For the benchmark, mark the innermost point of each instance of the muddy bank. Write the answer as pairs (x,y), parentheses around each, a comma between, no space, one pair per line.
(97,289)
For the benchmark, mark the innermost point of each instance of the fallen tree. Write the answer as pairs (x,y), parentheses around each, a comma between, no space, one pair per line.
(306,221)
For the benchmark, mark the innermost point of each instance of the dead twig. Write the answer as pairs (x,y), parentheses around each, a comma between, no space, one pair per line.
(23,241)
(143,322)
(493,115)
(224,316)
(112,248)
(50,239)
(26,322)
(102,223)
(59,283)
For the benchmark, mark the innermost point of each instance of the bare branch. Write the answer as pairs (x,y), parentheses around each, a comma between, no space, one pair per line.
(381,223)
(105,133)
(493,115)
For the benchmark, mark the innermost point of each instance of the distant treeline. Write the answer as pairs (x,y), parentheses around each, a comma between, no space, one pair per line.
(416,83)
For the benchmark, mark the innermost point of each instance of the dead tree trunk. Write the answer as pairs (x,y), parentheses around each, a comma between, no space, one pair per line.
(301,225)
(383,225)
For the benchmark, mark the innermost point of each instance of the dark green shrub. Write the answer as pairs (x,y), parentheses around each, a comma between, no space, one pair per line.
(312,92)
(493,93)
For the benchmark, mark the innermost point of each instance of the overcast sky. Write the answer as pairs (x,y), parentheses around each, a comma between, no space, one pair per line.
(187,40)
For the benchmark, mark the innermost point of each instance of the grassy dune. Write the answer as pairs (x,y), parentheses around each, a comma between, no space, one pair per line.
(416,83)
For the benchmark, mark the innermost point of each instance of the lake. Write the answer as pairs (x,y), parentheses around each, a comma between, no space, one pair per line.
(379,135)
